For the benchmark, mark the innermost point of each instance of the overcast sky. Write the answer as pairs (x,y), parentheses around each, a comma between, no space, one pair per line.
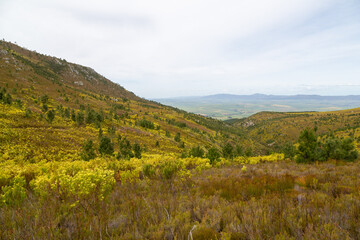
(167,48)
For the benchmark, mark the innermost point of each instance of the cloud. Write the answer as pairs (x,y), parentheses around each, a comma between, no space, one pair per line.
(195,47)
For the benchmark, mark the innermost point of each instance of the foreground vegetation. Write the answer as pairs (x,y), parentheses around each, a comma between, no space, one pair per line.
(183,199)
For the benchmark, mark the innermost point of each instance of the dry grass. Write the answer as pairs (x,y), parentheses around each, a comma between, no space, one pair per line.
(280,200)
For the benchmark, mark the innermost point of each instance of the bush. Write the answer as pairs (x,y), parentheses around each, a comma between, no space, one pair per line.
(309,147)
(339,149)
(137,150)
(146,124)
(196,152)
(177,137)
(88,150)
(50,115)
(15,193)
(289,150)
(168,170)
(125,149)
(106,147)
(148,170)
(228,151)
(213,155)
(79,118)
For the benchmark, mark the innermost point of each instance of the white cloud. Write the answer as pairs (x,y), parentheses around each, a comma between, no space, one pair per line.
(162,48)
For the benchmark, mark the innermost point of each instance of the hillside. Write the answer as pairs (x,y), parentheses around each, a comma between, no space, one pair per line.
(39,84)
(229,106)
(83,158)
(273,129)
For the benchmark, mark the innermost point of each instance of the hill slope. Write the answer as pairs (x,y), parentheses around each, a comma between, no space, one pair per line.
(40,85)
(273,129)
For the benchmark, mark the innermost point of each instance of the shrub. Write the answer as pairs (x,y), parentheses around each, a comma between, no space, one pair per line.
(15,193)
(88,150)
(125,149)
(148,170)
(177,137)
(79,118)
(106,147)
(168,169)
(137,150)
(289,150)
(146,124)
(213,155)
(50,115)
(228,151)
(309,149)
(196,152)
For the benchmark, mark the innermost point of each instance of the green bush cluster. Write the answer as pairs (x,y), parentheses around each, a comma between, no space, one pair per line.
(312,149)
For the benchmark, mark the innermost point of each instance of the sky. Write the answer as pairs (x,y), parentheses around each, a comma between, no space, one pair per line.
(168,48)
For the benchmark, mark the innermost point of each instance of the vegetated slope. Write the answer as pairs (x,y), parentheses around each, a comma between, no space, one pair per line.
(273,129)
(82,102)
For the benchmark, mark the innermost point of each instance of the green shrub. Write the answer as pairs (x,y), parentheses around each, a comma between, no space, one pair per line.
(106,147)
(213,155)
(88,150)
(15,193)
(196,152)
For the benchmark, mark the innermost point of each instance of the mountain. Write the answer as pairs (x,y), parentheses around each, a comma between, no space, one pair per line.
(40,84)
(228,106)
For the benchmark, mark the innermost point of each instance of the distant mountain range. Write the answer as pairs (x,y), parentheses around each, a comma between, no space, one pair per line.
(227,106)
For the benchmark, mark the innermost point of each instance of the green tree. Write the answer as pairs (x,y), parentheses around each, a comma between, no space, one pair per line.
(213,155)
(88,150)
(137,150)
(106,147)
(228,151)
(125,149)
(44,108)
(50,115)
(73,115)
(339,149)
(309,147)
(196,152)
(80,118)
(289,150)
(177,137)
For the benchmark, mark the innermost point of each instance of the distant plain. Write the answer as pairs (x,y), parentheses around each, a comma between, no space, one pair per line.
(227,106)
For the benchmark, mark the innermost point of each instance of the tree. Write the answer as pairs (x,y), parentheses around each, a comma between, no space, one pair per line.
(177,137)
(50,116)
(137,150)
(106,147)
(309,147)
(196,152)
(213,155)
(79,118)
(88,150)
(125,149)
(44,107)
(339,149)
(228,151)
(289,150)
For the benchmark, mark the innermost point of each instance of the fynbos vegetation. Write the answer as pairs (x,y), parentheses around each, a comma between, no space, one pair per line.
(85,162)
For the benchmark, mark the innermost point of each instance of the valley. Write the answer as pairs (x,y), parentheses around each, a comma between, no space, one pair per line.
(81,157)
